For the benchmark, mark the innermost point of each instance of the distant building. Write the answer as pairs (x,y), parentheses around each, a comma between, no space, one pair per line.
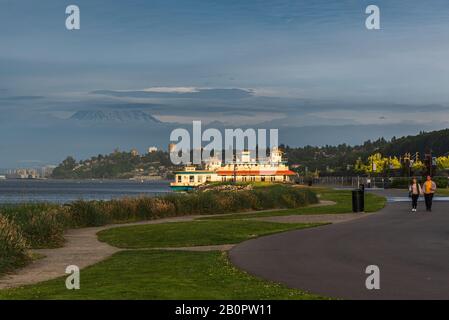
(47,171)
(23,174)
(245,169)
(152,149)
(134,152)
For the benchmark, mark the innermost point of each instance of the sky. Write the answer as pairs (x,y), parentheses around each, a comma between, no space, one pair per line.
(309,68)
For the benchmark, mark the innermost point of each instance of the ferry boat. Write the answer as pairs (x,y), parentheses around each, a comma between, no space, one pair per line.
(243,169)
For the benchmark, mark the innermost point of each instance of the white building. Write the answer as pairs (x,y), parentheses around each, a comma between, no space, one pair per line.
(243,169)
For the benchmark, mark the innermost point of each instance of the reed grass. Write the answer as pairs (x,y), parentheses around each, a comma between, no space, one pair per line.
(13,246)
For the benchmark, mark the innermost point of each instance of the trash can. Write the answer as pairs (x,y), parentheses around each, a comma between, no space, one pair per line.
(358,200)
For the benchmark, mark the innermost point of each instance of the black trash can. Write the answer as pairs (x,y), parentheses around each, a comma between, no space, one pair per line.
(358,200)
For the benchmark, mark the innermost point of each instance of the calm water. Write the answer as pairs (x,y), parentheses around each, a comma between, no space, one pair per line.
(18,191)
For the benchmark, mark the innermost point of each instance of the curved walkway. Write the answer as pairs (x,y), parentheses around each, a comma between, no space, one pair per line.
(82,248)
(411,251)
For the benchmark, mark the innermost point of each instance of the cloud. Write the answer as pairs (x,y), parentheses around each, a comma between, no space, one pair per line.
(172,89)
(21,98)
(180,92)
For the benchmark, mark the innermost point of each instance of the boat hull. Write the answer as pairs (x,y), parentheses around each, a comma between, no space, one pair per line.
(182,188)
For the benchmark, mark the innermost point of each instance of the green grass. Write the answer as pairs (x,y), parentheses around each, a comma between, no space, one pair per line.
(193,233)
(443,192)
(152,274)
(343,204)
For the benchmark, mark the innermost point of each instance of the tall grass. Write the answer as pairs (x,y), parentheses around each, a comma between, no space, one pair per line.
(97,213)
(43,225)
(13,245)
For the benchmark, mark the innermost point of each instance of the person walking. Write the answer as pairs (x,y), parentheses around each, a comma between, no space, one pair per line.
(415,190)
(429,188)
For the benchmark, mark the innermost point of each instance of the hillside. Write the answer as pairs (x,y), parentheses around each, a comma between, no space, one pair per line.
(341,159)
(332,160)
(436,141)
(117,165)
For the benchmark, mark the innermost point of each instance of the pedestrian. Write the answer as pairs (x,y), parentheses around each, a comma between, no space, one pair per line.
(429,188)
(415,190)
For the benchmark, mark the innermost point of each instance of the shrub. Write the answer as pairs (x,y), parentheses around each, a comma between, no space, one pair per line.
(13,246)
(400,183)
(43,229)
(153,208)
(441,182)
(87,214)
(42,225)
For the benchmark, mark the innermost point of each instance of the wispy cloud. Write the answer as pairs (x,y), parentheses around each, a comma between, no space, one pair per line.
(172,89)
(179,92)
(21,98)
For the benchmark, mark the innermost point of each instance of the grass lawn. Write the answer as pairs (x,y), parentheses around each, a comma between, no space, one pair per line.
(193,233)
(343,204)
(153,274)
(443,192)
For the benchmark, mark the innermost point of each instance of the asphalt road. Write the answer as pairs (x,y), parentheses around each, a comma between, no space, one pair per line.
(411,251)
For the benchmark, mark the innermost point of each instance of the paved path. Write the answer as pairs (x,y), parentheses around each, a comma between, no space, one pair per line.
(411,250)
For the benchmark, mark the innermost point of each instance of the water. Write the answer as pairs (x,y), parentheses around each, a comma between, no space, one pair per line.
(64,191)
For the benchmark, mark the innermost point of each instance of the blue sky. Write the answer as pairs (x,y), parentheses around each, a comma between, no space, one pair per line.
(297,63)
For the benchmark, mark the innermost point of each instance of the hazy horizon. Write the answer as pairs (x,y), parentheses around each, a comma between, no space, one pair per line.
(137,69)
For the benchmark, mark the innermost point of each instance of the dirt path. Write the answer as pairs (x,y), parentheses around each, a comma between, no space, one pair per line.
(82,248)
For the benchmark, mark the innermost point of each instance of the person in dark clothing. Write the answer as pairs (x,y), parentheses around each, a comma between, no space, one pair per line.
(415,191)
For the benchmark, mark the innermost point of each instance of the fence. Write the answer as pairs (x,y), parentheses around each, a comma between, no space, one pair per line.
(353,182)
